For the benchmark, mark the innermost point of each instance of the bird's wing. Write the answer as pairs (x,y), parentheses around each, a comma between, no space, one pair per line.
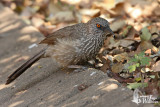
(72,32)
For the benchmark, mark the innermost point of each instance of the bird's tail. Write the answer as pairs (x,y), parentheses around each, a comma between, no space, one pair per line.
(25,66)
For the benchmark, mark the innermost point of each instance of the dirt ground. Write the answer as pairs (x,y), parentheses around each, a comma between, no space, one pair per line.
(45,86)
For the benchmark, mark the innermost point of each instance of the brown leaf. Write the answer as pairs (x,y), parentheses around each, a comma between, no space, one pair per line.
(117,51)
(154,29)
(111,43)
(144,45)
(46,30)
(144,8)
(118,24)
(121,57)
(152,89)
(156,11)
(148,51)
(27,12)
(106,64)
(125,43)
(156,66)
(120,79)
(131,34)
(117,68)
(90,12)
(118,9)
(37,21)
(107,4)
(63,16)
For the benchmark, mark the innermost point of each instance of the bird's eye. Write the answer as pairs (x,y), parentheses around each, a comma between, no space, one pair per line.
(98,25)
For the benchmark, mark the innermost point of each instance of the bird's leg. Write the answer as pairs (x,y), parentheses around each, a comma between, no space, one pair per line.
(78,68)
(82,66)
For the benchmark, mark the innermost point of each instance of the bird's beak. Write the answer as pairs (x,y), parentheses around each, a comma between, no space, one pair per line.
(111,32)
(107,29)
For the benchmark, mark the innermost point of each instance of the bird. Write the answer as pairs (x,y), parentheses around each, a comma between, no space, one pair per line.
(71,45)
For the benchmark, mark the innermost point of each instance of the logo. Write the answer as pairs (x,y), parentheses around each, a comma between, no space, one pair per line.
(138,97)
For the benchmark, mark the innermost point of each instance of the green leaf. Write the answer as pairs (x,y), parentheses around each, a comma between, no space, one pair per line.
(145,61)
(138,60)
(138,79)
(133,67)
(136,85)
(136,56)
(146,35)
(133,60)
(142,54)
(152,76)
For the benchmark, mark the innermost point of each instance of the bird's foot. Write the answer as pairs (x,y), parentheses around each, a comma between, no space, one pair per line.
(78,68)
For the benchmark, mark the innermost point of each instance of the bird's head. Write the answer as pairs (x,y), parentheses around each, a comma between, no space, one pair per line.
(99,26)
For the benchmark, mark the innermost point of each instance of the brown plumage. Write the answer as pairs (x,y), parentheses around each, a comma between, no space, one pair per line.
(71,45)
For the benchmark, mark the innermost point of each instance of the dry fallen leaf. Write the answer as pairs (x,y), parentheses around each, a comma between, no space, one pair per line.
(90,12)
(46,30)
(111,43)
(27,12)
(125,43)
(117,68)
(149,51)
(156,66)
(118,24)
(156,11)
(107,4)
(125,30)
(63,16)
(121,57)
(37,21)
(152,89)
(131,34)
(144,45)
(144,8)
(154,29)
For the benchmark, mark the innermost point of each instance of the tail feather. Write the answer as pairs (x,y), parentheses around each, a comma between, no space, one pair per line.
(25,66)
